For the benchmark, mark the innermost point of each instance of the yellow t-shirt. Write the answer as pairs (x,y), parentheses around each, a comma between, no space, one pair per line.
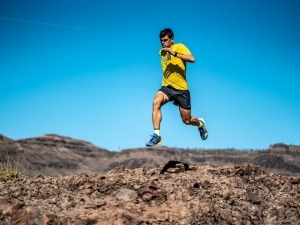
(174,69)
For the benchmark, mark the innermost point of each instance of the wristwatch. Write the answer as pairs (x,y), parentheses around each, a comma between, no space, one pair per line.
(175,54)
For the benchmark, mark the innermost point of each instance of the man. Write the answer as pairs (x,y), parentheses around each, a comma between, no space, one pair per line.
(174,86)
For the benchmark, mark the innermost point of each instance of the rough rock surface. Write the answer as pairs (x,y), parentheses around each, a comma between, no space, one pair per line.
(174,193)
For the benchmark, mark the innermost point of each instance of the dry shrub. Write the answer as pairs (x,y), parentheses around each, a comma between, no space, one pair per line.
(10,170)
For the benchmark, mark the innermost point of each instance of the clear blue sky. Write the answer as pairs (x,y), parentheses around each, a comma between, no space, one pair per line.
(89,70)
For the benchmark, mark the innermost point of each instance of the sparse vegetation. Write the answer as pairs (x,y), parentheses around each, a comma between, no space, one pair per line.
(10,171)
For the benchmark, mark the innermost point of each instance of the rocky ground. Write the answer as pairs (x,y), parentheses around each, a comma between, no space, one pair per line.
(174,193)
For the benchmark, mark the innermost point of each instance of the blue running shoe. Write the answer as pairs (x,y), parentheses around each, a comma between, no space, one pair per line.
(155,140)
(203,131)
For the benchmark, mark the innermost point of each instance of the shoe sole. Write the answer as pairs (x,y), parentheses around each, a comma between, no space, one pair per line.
(155,147)
(158,144)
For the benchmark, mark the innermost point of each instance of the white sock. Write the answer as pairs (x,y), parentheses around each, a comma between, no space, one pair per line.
(157,132)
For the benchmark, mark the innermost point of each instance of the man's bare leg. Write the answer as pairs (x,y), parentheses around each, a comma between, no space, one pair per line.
(160,99)
(187,118)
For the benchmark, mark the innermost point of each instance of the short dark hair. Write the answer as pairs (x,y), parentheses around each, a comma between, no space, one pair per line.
(166,32)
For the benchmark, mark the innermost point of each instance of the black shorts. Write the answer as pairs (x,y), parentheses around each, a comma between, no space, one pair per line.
(181,98)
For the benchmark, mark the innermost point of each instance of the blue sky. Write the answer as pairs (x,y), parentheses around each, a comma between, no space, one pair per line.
(89,70)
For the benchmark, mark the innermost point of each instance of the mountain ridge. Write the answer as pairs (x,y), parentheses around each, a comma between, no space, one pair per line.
(55,155)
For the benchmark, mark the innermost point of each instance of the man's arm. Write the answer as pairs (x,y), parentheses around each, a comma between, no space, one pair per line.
(187,58)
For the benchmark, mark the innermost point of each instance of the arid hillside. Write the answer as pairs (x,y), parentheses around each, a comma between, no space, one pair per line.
(54,155)
(70,181)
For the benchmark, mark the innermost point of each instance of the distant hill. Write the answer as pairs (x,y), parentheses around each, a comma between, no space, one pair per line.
(55,155)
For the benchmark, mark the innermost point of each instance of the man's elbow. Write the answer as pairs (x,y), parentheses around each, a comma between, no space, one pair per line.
(191,59)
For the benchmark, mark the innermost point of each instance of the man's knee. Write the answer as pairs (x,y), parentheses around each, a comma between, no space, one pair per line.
(159,99)
(156,103)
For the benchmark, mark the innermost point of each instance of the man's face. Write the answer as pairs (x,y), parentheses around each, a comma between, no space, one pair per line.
(166,42)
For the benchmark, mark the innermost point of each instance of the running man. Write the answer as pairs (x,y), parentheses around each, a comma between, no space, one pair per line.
(174,86)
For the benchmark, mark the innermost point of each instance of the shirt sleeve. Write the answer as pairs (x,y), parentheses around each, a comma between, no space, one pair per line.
(183,49)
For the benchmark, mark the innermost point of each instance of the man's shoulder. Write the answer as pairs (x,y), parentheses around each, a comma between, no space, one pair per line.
(181,48)
(179,45)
